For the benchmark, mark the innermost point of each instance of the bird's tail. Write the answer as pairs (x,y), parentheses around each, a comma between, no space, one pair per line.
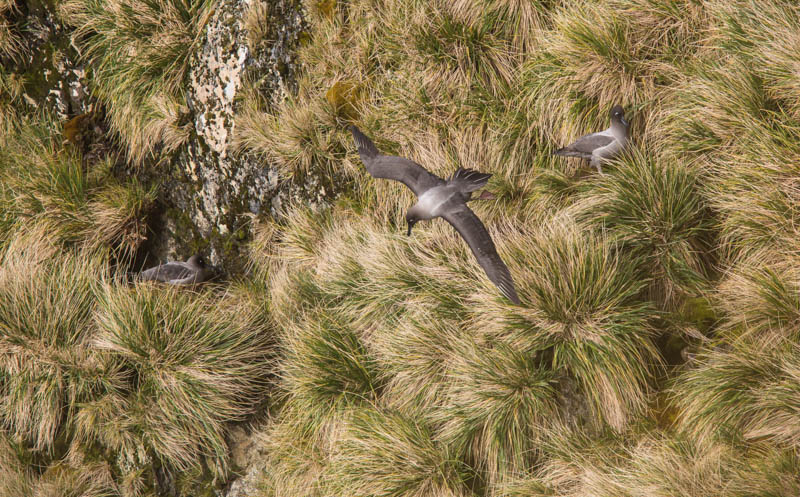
(469,180)
(366,149)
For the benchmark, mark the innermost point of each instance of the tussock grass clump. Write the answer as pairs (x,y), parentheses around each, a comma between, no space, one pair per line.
(765,34)
(298,138)
(584,317)
(721,105)
(15,474)
(746,143)
(298,455)
(756,192)
(118,214)
(371,277)
(46,325)
(655,464)
(388,453)
(683,466)
(454,53)
(204,363)
(45,184)
(517,21)
(744,391)
(576,464)
(499,403)
(656,212)
(603,53)
(138,52)
(48,187)
(327,368)
(85,480)
(761,299)
(418,355)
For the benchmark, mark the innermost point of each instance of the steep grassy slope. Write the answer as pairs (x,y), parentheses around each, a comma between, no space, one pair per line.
(657,348)
(405,372)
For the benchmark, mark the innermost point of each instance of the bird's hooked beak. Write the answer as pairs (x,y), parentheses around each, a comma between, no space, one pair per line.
(410,225)
(623,120)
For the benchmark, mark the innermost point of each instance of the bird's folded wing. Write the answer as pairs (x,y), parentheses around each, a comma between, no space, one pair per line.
(167,272)
(400,169)
(587,144)
(474,233)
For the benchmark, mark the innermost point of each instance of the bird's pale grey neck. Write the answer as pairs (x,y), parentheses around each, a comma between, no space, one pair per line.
(619,130)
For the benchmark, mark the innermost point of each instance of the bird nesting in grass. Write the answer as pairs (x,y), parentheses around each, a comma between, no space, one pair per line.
(191,272)
(603,145)
(441,198)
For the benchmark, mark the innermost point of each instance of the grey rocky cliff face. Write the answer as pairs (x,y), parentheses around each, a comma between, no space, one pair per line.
(211,193)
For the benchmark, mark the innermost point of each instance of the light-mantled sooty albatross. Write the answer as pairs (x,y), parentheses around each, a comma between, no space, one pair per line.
(603,145)
(439,198)
(178,273)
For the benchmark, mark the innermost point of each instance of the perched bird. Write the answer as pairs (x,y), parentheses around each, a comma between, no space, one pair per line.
(439,198)
(178,273)
(603,145)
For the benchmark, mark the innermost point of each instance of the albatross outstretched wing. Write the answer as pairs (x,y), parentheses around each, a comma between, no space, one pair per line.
(474,233)
(400,169)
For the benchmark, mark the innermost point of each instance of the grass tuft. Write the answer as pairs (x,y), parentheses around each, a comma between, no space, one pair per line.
(745,391)
(656,213)
(139,53)
(500,402)
(378,443)
(46,325)
(206,365)
(583,317)
(327,368)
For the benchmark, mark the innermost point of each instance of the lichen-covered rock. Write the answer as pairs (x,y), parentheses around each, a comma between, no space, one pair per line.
(48,62)
(211,194)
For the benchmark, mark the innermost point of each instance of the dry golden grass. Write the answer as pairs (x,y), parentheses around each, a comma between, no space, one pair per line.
(760,299)
(400,369)
(501,402)
(743,391)
(655,211)
(15,474)
(46,324)
(46,187)
(139,53)
(377,443)
(206,362)
(582,312)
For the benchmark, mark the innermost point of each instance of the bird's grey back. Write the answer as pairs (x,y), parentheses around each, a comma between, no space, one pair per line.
(585,145)
(172,271)
(177,273)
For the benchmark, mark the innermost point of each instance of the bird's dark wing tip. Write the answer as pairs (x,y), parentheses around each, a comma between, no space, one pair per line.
(514,298)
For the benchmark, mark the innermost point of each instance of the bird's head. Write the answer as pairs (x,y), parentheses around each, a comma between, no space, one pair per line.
(197,261)
(411,218)
(618,115)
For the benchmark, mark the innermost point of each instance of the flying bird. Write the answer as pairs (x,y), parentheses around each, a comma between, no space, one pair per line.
(441,198)
(190,272)
(603,145)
